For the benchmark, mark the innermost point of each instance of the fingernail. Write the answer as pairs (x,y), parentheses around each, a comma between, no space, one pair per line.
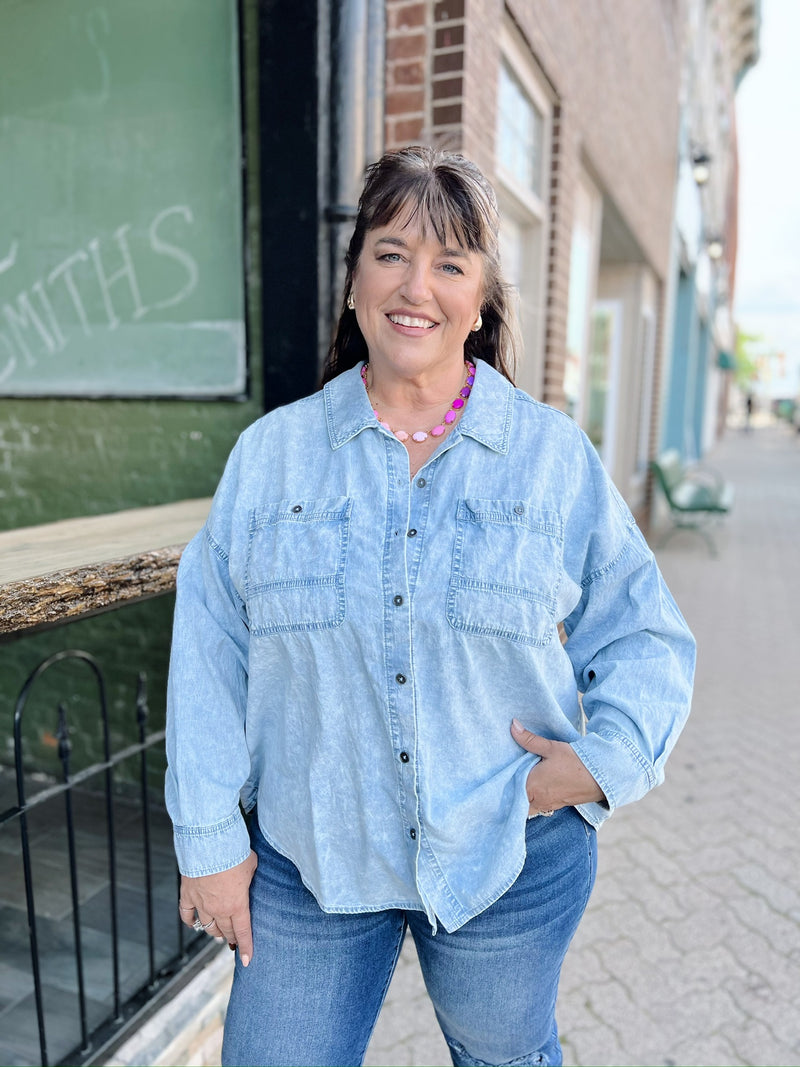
(245,960)
(517,724)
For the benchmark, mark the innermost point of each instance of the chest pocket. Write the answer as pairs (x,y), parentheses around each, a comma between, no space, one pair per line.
(506,571)
(296,561)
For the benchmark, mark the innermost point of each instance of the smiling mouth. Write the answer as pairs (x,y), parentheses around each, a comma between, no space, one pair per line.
(408,320)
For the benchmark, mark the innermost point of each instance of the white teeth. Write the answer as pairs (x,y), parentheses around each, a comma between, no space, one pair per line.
(406,320)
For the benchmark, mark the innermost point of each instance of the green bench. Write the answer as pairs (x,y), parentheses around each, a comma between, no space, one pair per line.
(696,495)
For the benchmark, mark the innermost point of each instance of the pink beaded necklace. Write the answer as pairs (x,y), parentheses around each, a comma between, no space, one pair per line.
(452,414)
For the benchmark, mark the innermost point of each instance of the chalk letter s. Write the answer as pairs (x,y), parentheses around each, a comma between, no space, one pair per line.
(162,248)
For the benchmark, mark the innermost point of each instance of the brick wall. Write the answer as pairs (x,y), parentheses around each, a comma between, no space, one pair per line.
(447,73)
(481,68)
(614,72)
(407,81)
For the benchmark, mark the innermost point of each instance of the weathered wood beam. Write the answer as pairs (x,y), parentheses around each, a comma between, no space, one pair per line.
(58,572)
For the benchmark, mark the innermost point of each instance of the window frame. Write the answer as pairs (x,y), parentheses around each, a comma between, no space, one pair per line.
(528,211)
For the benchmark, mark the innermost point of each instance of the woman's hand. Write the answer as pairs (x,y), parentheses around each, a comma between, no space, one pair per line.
(222,904)
(559,779)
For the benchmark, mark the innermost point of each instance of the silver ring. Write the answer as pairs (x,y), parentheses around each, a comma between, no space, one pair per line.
(198,926)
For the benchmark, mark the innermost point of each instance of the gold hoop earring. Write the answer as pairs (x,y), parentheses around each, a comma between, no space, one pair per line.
(478,323)
(351,303)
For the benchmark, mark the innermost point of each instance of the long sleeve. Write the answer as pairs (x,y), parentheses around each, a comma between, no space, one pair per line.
(632,653)
(208,759)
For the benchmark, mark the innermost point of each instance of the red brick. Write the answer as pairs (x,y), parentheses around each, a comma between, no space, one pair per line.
(449,36)
(405,46)
(406,73)
(447,115)
(446,10)
(407,131)
(405,101)
(447,88)
(406,17)
(448,61)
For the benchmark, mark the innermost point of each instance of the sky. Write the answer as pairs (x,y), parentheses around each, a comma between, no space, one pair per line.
(767,296)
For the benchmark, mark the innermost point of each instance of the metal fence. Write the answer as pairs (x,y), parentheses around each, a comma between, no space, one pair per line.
(97,938)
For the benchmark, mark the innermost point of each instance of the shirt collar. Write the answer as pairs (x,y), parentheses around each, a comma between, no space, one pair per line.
(487,417)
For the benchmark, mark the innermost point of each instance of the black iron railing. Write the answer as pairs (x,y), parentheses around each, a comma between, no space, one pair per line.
(99,882)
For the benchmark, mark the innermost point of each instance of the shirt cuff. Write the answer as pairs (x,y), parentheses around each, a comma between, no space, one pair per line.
(210,849)
(617,766)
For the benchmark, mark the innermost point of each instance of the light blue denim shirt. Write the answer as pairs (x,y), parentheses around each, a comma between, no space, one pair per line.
(351,645)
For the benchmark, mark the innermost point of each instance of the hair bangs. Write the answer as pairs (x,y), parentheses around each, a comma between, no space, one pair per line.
(424,201)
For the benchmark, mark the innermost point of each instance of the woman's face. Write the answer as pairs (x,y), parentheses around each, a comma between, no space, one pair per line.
(416,299)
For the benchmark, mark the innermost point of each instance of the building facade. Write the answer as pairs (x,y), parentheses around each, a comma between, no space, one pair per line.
(720,44)
(584,116)
(542,97)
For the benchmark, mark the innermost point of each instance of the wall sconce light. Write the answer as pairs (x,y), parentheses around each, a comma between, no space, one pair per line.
(715,248)
(700,166)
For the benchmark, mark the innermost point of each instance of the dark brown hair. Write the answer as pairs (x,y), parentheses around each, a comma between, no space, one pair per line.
(449,193)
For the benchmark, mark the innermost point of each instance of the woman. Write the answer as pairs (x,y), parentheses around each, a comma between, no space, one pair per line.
(367,648)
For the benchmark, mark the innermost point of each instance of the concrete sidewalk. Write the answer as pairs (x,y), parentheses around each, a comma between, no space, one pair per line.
(689,953)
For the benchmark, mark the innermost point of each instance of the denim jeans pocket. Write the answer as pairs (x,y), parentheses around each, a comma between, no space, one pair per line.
(505,571)
(296,559)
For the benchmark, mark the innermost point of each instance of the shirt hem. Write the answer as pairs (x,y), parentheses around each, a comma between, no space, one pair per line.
(341,909)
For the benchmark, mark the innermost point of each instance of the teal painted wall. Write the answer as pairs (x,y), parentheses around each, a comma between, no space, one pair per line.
(63,458)
(681,365)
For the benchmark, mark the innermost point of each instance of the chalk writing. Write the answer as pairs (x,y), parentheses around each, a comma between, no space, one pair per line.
(125,273)
(159,245)
(35,321)
(8,262)
(97,19)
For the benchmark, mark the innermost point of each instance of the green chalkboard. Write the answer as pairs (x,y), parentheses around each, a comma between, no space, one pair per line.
(121,260)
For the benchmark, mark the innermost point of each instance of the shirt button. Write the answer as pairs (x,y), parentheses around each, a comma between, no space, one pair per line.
(404,757)
(412,833)
(297,509)
(421,483)
(400,679)
(397,601)
(519,509)
(411,533)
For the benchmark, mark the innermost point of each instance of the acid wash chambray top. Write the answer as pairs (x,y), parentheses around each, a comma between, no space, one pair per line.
(351,646)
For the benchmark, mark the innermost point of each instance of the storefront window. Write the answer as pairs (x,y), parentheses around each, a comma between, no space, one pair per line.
(523,139)
(520,133)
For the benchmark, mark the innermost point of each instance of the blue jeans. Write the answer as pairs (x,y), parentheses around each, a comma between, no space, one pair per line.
(316,983)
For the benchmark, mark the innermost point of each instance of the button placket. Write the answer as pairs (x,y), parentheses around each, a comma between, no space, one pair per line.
(397,644)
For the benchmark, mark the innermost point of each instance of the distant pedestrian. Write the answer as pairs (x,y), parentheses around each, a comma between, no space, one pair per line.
(749,405)
(366,655)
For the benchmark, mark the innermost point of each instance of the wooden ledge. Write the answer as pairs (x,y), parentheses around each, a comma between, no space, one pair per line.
(61,571)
